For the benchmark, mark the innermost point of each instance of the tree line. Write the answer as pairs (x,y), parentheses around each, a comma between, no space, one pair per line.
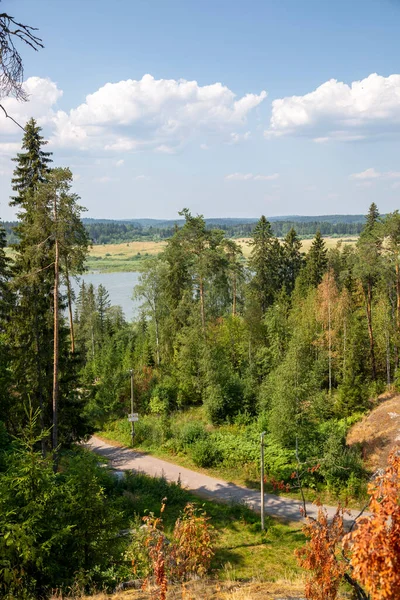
(116,232)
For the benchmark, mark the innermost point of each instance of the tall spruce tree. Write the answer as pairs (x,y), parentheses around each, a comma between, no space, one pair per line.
(32,165)
(317,260)
(6,303)
(368,271)
(292,259)
(30,333)
(266,263)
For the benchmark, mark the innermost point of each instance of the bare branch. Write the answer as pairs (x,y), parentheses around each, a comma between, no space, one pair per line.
(11,65)
(10,117)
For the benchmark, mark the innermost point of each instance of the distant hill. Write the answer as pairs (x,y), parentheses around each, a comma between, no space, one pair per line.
(115,231)
(165,223)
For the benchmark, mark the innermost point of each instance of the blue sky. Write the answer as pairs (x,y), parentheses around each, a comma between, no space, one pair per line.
(230,108)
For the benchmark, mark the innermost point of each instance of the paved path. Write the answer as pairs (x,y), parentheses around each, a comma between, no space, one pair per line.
(125,459)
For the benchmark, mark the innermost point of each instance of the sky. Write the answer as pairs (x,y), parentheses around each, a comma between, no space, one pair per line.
(232,108)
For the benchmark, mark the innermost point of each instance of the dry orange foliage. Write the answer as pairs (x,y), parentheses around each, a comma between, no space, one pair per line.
(368,557)
(189,553)
(375,543)
(321,556)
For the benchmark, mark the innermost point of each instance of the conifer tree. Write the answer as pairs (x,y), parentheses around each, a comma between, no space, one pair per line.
(32,165)
(368,270)
(30,333)
(292,259)
(266,263)
(6,299)
(317,260)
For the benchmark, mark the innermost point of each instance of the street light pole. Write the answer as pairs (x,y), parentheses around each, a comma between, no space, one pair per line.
(262,481)
(132,422)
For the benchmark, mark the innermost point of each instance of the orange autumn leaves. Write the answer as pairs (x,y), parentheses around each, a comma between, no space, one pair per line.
(375,543)
(369,556)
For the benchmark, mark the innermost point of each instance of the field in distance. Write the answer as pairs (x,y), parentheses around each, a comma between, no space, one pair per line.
(330,242)
(129,256)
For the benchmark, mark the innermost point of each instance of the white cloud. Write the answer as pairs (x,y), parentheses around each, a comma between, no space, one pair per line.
(364,184)
(247,176)
(120,163)
(204,147)
(239,176)
(336,111)
(266,177)
(153,114)
(367,174)
(239,137)
(372,173)
(142,178)
(164,149)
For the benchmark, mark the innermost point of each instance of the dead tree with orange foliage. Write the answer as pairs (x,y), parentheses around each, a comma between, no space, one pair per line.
(323,558)
(375,543)
(368,557)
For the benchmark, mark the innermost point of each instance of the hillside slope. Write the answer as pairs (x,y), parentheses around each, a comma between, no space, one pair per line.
(378,432)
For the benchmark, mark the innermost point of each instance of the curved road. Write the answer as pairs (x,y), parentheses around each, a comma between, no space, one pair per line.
(126,459)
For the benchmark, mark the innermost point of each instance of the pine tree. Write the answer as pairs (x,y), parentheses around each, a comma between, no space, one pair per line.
(368,270)
(266,263)
(30,333)
(32,165)
(317,260)
(6,305)
(292,259)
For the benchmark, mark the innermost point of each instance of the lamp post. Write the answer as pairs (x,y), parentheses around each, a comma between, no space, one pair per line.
(132,422)
(262,481)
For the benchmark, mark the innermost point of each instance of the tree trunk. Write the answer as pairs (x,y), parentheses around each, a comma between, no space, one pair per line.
(234,296)
(71,320)
(329,344)
(344,346)
(398,296)
(56,343)
(368,307)
(39,381)
(201,291)
(387,357)
(157,340)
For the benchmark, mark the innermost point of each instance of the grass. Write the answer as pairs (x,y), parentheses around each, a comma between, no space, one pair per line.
(242,550)
(214,590)
(126,257)
(330,242)
(131,256)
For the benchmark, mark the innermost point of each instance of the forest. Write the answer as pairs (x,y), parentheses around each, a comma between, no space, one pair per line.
(116,232)
(291,344)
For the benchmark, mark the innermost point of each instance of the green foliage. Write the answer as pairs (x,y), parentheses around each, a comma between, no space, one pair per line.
(191,432)
(46,517)
(205,453)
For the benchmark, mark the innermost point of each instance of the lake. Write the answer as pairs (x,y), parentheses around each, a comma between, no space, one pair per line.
(119,286)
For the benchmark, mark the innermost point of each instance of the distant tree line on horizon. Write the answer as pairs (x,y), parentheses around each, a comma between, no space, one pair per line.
(114,232)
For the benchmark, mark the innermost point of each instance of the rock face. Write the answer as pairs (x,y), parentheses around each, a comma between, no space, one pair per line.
(378,432)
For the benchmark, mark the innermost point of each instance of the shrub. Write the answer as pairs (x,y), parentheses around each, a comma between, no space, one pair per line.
(192,432)
(205,453)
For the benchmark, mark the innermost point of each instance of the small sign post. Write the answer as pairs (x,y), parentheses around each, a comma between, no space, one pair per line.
(133,417)
(262,481)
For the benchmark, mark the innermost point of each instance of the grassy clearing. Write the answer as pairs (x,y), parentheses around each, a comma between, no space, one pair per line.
(126,257)
(242,550)
(131,256)
(215,590)
(331,242)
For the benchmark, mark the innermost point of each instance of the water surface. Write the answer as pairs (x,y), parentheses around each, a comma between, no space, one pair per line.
(119,286)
